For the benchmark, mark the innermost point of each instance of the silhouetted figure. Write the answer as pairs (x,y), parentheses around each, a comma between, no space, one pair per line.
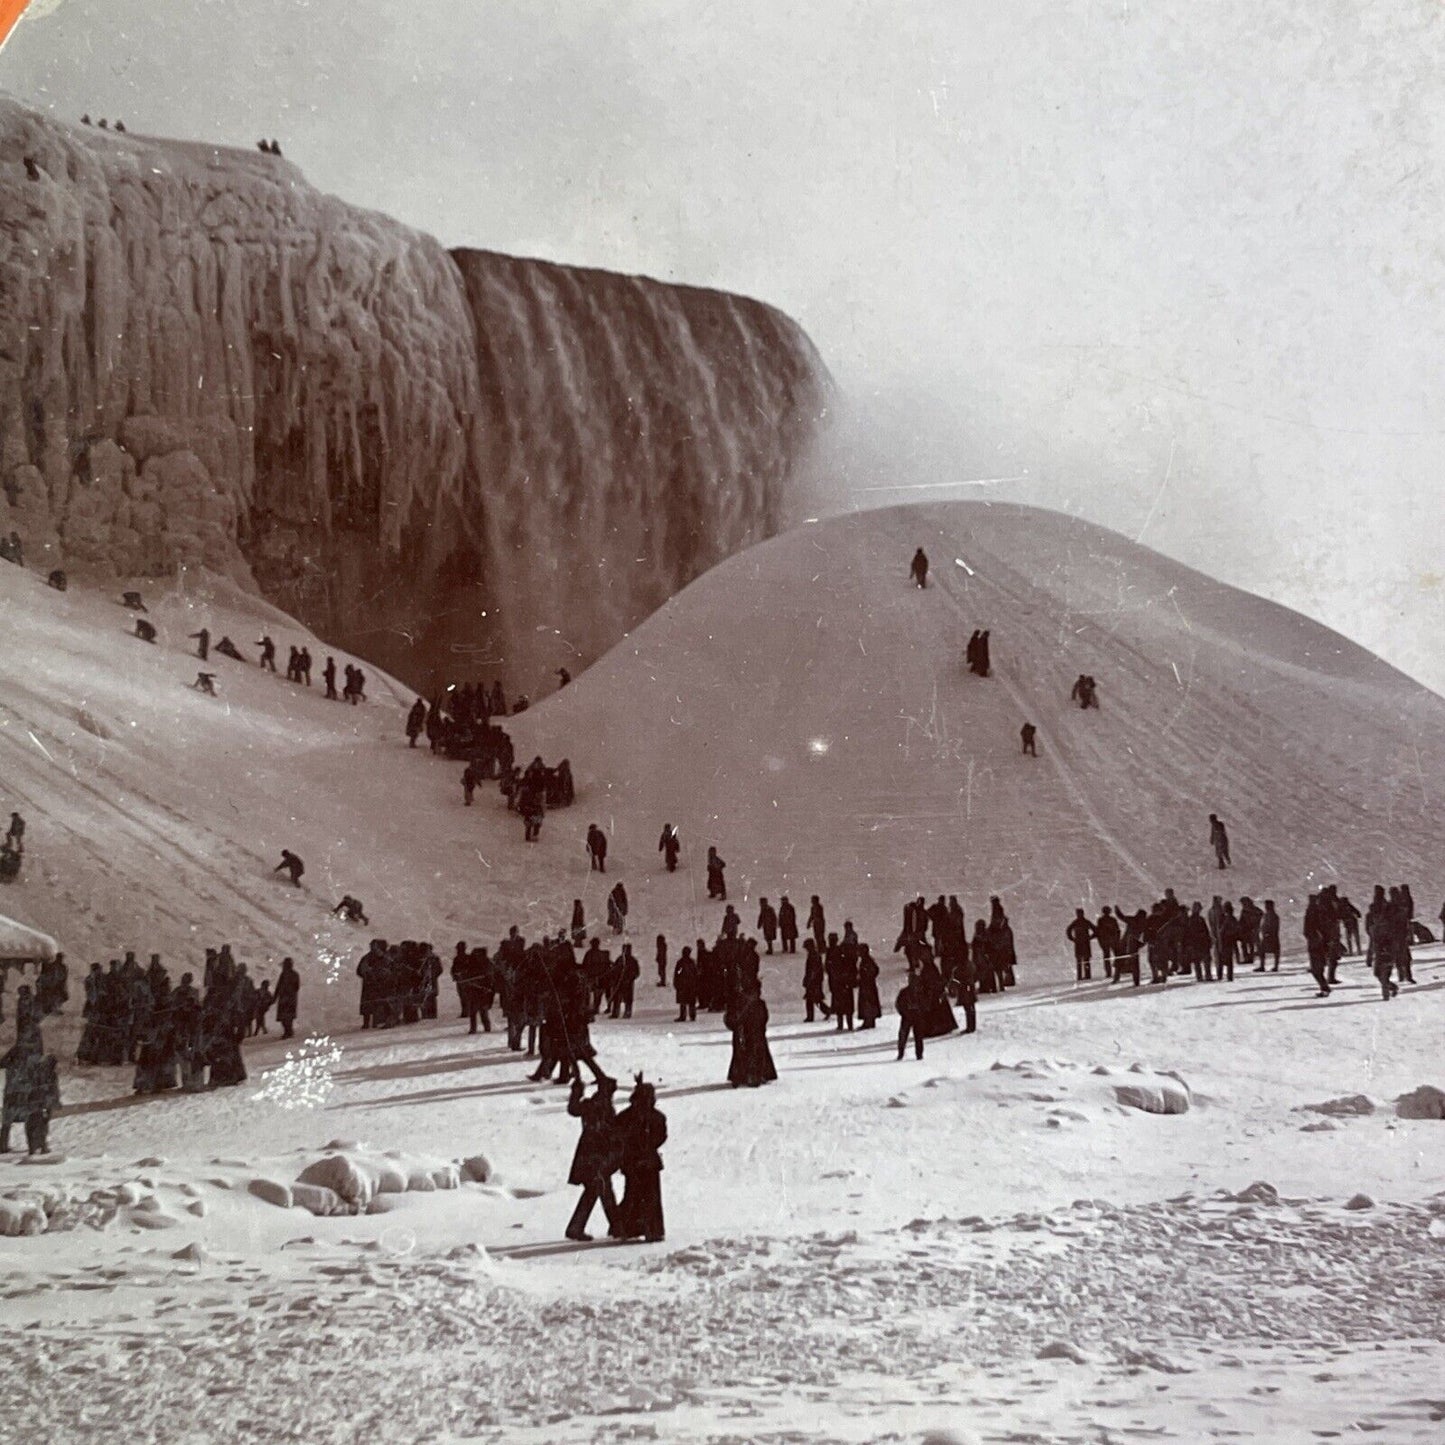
(1027,733)
(716,883)
(746,1017)
(596,848)
(563,678)
(104,123)
(328,676)
(288,993)
(57,579)
(617,908)
(351,910)
(291,865)
(596,1156)
(641,1133)
(685,986)
(120,126)
(275,148)
(669,845)
(1219,841)
(133,600)
(910,1022)
(32,171)
(918,568)
(227,648)
(787,925)
(767,922)
(268,653)
(1269,936)
(205,682)
(203,643)
(144,630)
(86,120)
(870,1007)
(661,959)
(415,722)
(1081,934)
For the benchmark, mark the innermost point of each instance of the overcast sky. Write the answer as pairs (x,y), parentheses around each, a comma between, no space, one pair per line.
(1176,264)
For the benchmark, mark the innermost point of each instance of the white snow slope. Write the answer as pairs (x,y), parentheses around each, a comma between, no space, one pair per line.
(864,1250)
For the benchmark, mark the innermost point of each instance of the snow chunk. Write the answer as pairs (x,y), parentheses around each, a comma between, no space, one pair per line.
(18,1218)
(1426,1102)
(1350,1106)
(1359,1201)
(271,1191)
(1155,1094)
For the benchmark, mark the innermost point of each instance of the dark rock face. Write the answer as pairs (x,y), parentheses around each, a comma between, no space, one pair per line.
(452,463)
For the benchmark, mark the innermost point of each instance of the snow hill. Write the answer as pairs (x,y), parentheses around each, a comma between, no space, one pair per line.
(802,706)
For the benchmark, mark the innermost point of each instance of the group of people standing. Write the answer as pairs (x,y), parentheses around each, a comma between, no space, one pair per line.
(178,1035)
(1208,944)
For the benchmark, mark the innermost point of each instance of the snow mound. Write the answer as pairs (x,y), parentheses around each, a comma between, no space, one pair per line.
(1350,1106)
(355,1176)
(1426,1102)
(1154,1093)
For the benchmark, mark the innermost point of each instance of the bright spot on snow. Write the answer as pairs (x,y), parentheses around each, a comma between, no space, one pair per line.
(818,746)
(304,1081)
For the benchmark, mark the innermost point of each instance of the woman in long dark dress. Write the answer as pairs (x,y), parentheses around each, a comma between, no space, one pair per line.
(641,1133)
(870,1006)
(752,1060)
(935,1013)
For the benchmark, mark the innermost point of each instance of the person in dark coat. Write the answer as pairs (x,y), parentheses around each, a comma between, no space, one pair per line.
(144,630)
(661,956)
(597,848)
(716,884)
(910,1022)
(813,979)
(1028,733)
(268,652)
(328,676)
(596,1156)
(767,922)
(1219,841)
(935,1012)
(1107,933)
(203,643)
(288,992)
(752,1061)
(841,969)
(415,722)
(579,924)
(641,1132)
(685,987)
(817,922)
(669,845)
(628,970)
(617,908)
(918,568)
(870,1007)
(227,648)
(1081,934)
(292,866)
(787,924)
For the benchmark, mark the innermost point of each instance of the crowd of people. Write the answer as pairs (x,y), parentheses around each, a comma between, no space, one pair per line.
(1208,944)
(178,1035)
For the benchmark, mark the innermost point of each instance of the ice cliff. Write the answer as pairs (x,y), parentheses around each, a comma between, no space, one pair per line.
(450,462)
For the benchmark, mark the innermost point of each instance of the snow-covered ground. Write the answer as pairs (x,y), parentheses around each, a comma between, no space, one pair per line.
(989,1244)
